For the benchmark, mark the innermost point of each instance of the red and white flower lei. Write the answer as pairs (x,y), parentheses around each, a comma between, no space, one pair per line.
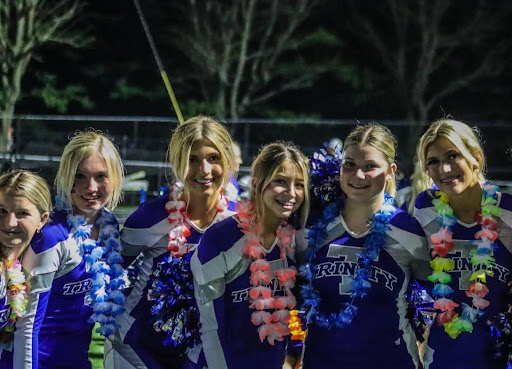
(177,210)
(273,326)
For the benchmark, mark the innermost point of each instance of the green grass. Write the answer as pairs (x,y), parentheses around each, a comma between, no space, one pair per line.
(96,349)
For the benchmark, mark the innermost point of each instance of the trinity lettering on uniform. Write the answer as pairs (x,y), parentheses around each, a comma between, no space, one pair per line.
(242,295)
(76,288)
(345,268)
(462,265)
(4,315)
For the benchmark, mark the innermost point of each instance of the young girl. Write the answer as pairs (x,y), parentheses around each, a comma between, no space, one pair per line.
(243,267)
(25,205)
(362,255)
(74,267)
(468,225)
(163,230)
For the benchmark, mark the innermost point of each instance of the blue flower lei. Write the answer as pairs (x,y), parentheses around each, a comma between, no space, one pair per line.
(103,260)
(325,172)
(375,242)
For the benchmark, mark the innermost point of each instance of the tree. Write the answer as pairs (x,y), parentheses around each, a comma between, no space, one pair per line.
(419,43)
(26,26)
(245,52)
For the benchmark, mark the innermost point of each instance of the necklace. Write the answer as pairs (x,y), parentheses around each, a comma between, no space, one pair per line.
(103,260)
(16,292)
(375,242)
(177,210)
(273,326)
(481,260)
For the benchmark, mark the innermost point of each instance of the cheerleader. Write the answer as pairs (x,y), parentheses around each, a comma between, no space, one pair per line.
(244,266)
(25,205)
(362,255)
(160,232)
(74,267)
(468,225)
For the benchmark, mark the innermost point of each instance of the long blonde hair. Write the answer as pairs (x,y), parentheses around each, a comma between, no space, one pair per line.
(82,146)
(265,167)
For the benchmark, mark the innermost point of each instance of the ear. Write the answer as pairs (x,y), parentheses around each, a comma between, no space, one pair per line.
(44,220)
(391,171)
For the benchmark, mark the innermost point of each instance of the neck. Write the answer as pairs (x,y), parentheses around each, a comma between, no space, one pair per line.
(357,214)
(202,211)
(268,233)
(467,204)
(90,218)
(13,252)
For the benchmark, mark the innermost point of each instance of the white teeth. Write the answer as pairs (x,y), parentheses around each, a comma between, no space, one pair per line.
(90,197)
(285,203)
(204,181)
(448,180)
(358,186)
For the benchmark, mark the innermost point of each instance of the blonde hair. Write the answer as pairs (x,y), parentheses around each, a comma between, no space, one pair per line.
(465,138)
(380,138)
(82,146)
(265,167)
(32,187)
(194,129)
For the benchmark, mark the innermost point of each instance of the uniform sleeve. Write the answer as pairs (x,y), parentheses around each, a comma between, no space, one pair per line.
(41,263)
(209,269)
(145,228)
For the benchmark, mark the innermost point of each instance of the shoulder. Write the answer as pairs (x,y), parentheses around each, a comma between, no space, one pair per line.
(424,199)
(52,234)
(406,222)
(219,238)
(506,201)
(231,206)
(148,213)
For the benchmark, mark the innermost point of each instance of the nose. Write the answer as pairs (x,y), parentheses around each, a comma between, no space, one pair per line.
(360,173)
(92,185)
(206,167)
(291,190)
(446,167)
(11,220)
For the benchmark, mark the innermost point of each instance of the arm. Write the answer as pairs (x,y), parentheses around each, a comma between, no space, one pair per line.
(209,271)
(41,271)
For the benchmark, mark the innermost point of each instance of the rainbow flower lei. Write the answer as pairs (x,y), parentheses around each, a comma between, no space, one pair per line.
(103,260)
(273,326)
(172,288)
(375,242)
(16,292)
(481,259)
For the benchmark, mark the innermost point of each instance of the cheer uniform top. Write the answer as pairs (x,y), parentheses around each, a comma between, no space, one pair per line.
(55,332)
(222,283)
(469,350)
(380,335)
(137,344)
